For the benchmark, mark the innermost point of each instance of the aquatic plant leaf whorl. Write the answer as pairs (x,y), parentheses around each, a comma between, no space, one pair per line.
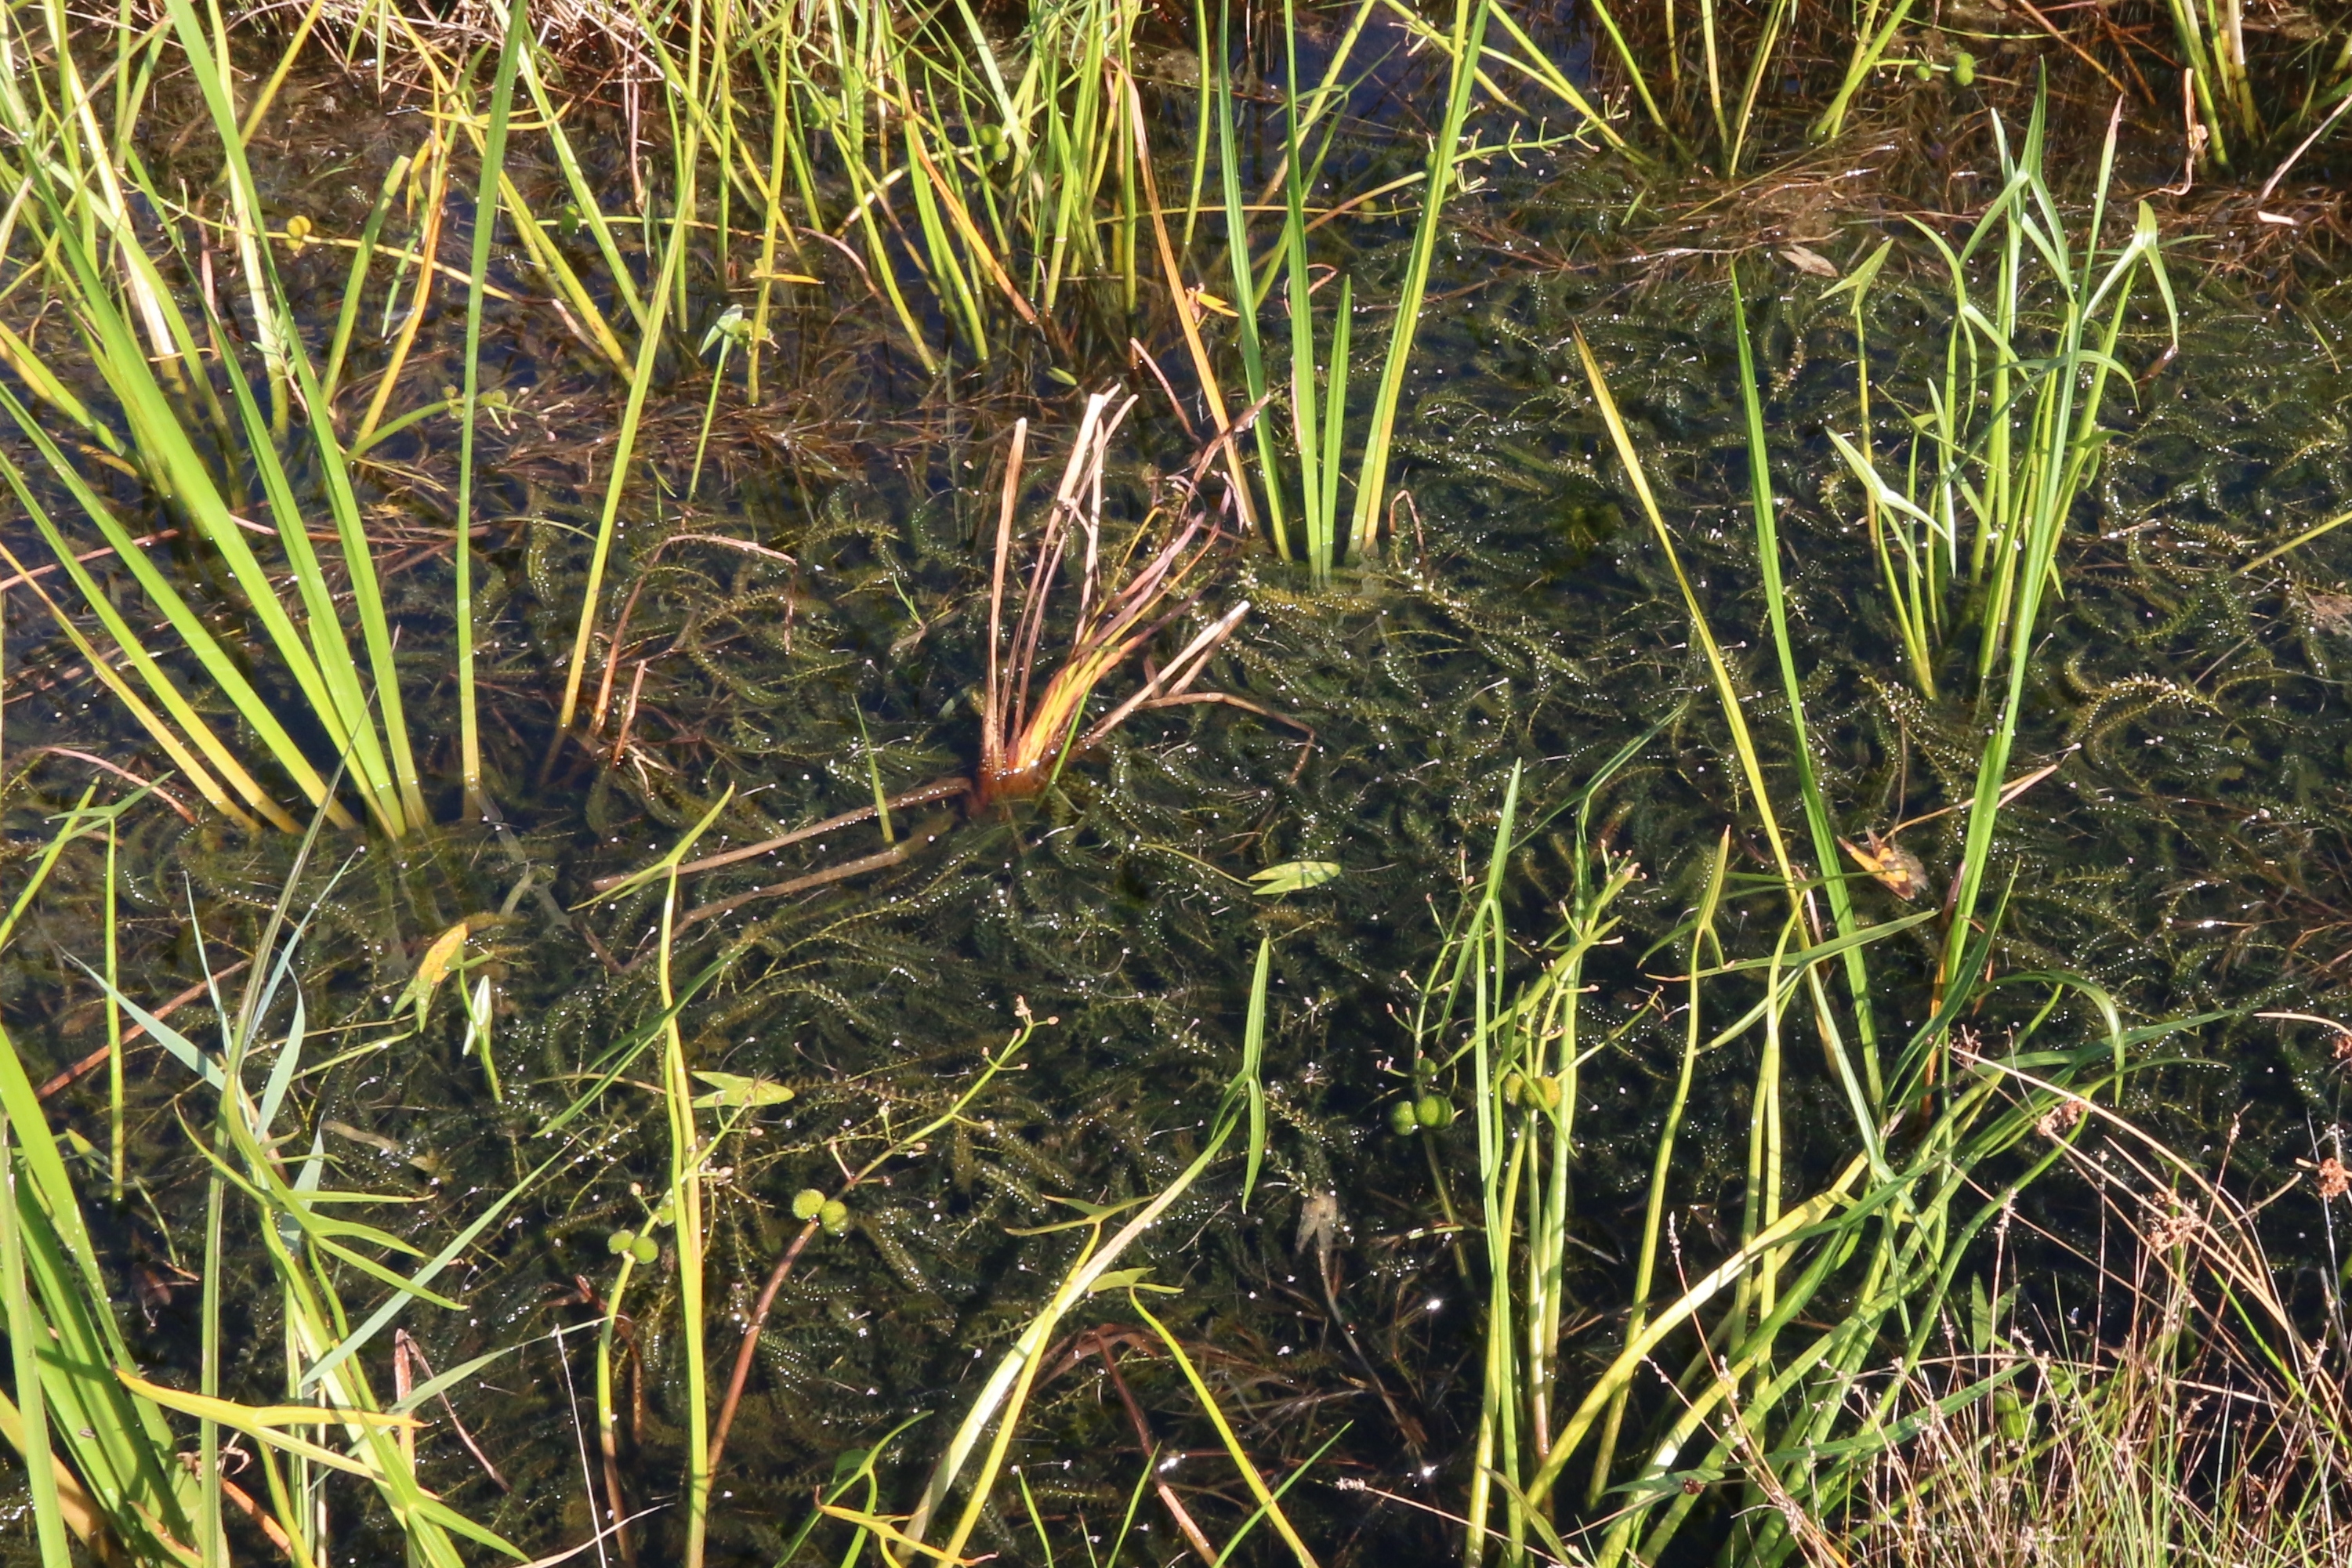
(1023,744)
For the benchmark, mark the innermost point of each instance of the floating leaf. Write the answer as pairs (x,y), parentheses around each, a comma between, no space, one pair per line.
(432,968)
(1812,261)
(1294,876)
(734,1089)
(1129,1279)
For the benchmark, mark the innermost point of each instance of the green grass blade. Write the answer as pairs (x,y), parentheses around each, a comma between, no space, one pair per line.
(486,220)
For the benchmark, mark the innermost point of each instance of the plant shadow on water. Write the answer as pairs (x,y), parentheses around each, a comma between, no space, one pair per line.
(811,631)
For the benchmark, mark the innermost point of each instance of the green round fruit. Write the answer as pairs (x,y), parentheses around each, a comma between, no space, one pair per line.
(1515,1088)
(644,1249)
(1433,1111)
(833,1217)
(620,1241)
(806,1203)
(1964,69)
(1923,71)
(1402,1122)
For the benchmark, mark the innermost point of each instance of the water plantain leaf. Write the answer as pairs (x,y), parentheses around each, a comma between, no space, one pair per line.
(734,1089)
(1292,876)
(1089,1214)
(1131,1280)
(439,960)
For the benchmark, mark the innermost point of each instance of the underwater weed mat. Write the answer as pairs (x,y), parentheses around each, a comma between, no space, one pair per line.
(1518,616)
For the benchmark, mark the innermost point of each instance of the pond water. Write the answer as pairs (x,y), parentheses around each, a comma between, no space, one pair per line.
(2189,855)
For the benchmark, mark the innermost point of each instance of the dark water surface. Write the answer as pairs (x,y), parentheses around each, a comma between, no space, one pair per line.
(2190,854)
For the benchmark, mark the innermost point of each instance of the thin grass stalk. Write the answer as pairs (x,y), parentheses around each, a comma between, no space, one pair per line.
(246,221)
(166,734)
(1317,481)
(1727,691)
(1188,318)
(1468,45)
(25,1338)
(146,301)
(1702,937)
(1497,1448)
(1869,48)
(1714,73)
(563,281)
(385,767)
(583,196)
(1911,592)
(929,201)
(486,220)
(1245,289)
(687,1158)
(223,672)
(1777,18)
(355,282)
(1818,824)
(116,1150)
(623,456)
(428,247)
(1269,1502)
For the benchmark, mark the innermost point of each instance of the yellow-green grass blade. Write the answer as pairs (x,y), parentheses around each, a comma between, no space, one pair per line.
(128,1445)
(359,563)
(172,462)
(174,744)
(217,659)
(549,255)
(350,727)
(355,280)
(923,177)
(486,219)
(1467,45)
(1818,823)
(1237,255)
(1268,1503)
(43,383)
(1727,690)
(624,458)
(592,211)
(27,1333)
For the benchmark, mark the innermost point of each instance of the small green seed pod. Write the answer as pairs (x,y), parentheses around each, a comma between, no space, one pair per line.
(806,1203)
(1402,1122)
(644,1249)
(1964,69)
(1923,71)
(620,1241)
(833,1217)
(1434,1111)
